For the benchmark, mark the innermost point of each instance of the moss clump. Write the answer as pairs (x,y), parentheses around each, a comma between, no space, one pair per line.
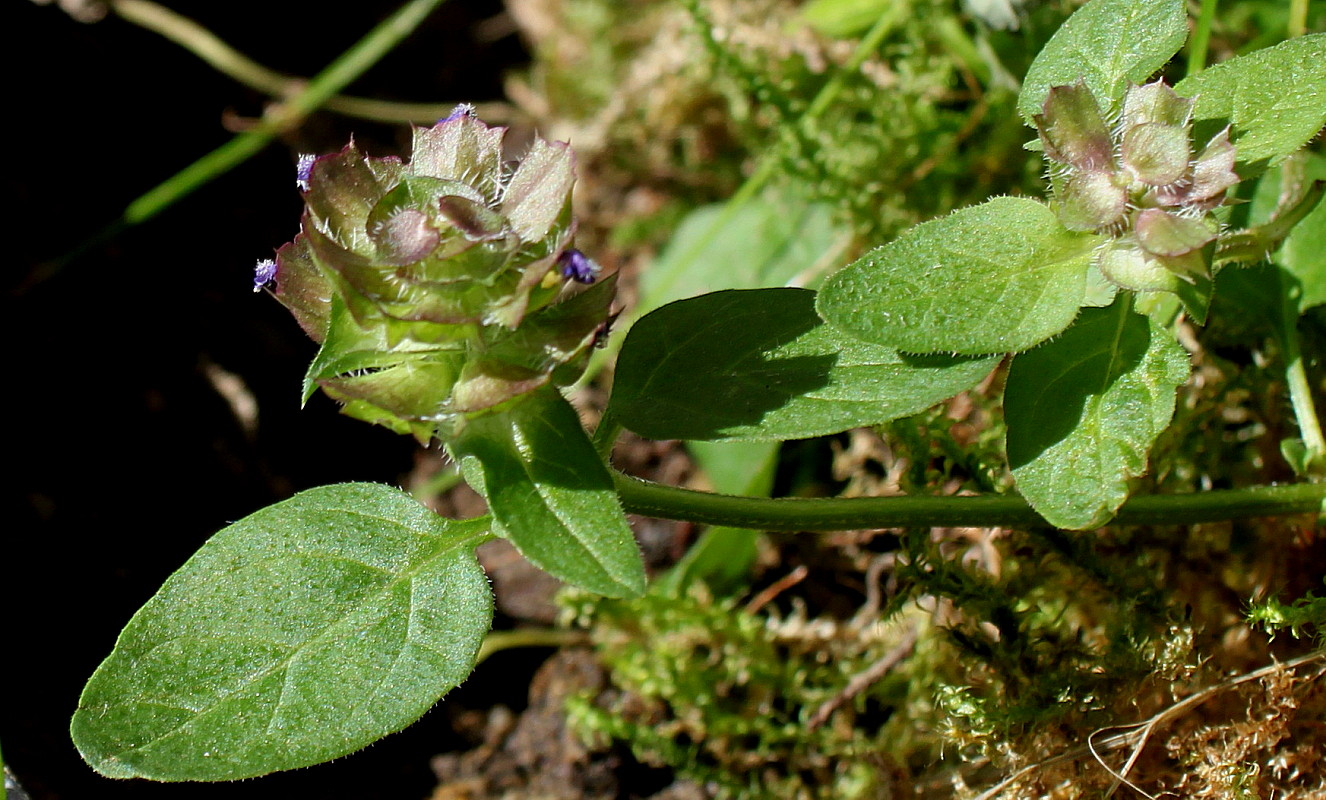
(755,705)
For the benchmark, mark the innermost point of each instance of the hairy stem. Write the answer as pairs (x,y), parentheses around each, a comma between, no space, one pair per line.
(794,514)
(605,435)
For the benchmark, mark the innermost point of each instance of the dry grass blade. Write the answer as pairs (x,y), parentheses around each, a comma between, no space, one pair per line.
(1138,733)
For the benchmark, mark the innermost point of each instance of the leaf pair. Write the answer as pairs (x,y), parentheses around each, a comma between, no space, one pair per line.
(760,365)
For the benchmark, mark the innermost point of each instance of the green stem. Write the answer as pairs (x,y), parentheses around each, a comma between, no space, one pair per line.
(349,66)
(795,514)
(227,60)
(1300,396)
(497,641)
(1254,245)
(605,435)
(441,482)
(203,43)
(1271,235)
(1201,37)
(1298,18)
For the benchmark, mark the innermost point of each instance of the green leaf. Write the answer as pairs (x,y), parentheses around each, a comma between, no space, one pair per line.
(995,278)
(1303,252)
(1275,294)
(1275,99)
(1083,410)
(844,18)
(760,365)
(1107,43)
(1304,256)
(301,633)
(736,467)
(775,240)
(551,495)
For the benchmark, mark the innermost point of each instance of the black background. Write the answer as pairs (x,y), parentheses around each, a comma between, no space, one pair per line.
(122,458)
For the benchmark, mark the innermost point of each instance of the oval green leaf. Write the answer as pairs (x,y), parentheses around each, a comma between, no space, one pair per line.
(995,278)
(1106,43)
(301,633)
(1274,99)
(550,495)
(1083,410)
(760,365)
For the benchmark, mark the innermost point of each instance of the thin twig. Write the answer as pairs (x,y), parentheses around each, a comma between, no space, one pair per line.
(874,594)
(864,679)
(227,60)
(778,587)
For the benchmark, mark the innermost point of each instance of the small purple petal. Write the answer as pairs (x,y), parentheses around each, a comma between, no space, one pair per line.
(264,272)
(462,111)
(577,266)
(303,170)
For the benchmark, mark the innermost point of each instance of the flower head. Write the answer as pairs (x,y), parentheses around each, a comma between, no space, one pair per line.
(442,286)
(1140,183)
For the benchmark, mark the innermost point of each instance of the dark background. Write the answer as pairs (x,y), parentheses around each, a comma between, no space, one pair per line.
(122,457)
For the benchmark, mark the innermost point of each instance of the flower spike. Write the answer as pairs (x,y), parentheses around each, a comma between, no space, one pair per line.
(425,281)
(1138,184)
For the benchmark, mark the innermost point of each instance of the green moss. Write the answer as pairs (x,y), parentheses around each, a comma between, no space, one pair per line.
(1064,637)
(1307,612)
(728,697)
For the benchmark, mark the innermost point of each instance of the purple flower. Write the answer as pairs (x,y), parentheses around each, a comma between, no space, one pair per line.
(462,111)
(263,273)
(303,169)
(577,266)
